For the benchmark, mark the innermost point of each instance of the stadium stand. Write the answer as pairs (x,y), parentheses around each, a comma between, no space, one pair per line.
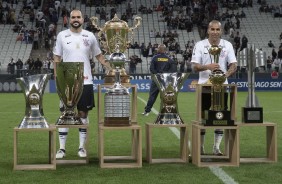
(259,27)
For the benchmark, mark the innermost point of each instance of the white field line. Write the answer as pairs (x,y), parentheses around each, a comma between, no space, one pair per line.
(217,171)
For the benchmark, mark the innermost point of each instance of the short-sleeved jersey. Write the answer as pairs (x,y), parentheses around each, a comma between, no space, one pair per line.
(78,47)
(202,56)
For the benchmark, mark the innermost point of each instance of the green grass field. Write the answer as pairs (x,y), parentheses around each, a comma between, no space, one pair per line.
(33,147)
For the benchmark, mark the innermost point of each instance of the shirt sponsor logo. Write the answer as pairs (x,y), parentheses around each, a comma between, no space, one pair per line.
(67,36)
(86,42)
(163,59)
(85,35)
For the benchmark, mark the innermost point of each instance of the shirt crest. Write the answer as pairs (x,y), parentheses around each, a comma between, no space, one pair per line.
(86,42)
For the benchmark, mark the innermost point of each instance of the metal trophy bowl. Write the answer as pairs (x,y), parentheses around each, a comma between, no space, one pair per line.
(69,83)
(117,97)
(115,32)
(169,85)
(33,88)
(217,115)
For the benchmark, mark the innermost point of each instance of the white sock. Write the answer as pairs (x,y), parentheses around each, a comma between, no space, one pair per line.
(63,134)
(203,138)
(218,134)
(82,137)
(83,133)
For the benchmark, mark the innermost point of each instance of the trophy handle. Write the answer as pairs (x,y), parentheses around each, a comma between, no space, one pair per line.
(137,22)
(94,21)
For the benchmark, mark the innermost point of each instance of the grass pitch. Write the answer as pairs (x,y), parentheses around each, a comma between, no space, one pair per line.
(33,147)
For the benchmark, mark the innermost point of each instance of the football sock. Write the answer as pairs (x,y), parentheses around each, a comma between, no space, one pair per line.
(83,133)
(218,134)
(203,138)
(82,137)
(63,133)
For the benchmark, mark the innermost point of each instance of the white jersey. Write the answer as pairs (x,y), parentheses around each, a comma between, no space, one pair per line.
(78,47)
(202,56)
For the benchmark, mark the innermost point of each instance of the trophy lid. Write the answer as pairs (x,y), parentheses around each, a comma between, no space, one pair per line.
(116,23)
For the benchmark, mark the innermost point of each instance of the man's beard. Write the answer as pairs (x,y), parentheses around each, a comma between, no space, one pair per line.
(76,25)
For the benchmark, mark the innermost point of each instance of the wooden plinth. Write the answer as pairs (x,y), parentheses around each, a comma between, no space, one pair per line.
(79,160)
(52,149)
(271,143)
(132,161)
(231,151)
(183,144)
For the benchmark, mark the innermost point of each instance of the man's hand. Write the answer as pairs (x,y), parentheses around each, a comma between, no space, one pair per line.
(213,66)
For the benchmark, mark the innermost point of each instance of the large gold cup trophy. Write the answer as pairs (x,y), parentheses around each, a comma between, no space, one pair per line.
(114,41)
(69,83)
(218,114)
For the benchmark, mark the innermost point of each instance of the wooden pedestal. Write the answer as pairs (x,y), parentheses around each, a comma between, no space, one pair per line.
(79,160)
(121,161)
(231,152)
(52,149)
(271,142)
(133,116)
(183,144)
(232,97)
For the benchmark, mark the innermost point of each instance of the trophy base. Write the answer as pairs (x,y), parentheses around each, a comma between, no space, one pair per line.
(168,119)
(252,115)
(69,121)
(110,79)
(32,122)
(117,121)
(217,118)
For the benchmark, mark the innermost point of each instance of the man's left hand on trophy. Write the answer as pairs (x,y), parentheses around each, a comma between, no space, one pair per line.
(108,68)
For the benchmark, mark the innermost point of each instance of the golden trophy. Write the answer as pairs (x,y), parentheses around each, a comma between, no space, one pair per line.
(69,83)
(113,38)
(218,114)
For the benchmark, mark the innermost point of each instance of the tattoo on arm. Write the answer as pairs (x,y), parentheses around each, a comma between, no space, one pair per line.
(232,69)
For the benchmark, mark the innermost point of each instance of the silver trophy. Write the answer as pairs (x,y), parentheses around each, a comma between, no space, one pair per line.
(117,97)
(169,85)
(69,83)
(252,112)
(33,88)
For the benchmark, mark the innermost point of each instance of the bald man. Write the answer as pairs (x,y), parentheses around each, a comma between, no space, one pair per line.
(203,63)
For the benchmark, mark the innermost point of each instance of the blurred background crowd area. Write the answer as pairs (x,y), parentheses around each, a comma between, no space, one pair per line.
(29,29)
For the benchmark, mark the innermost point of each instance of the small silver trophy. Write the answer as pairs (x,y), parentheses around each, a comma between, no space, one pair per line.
(33,88)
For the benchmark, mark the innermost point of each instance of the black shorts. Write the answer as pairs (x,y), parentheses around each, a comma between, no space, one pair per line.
(86,101)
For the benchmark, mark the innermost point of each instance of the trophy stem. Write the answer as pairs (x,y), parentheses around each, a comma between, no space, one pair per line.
(117,76)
